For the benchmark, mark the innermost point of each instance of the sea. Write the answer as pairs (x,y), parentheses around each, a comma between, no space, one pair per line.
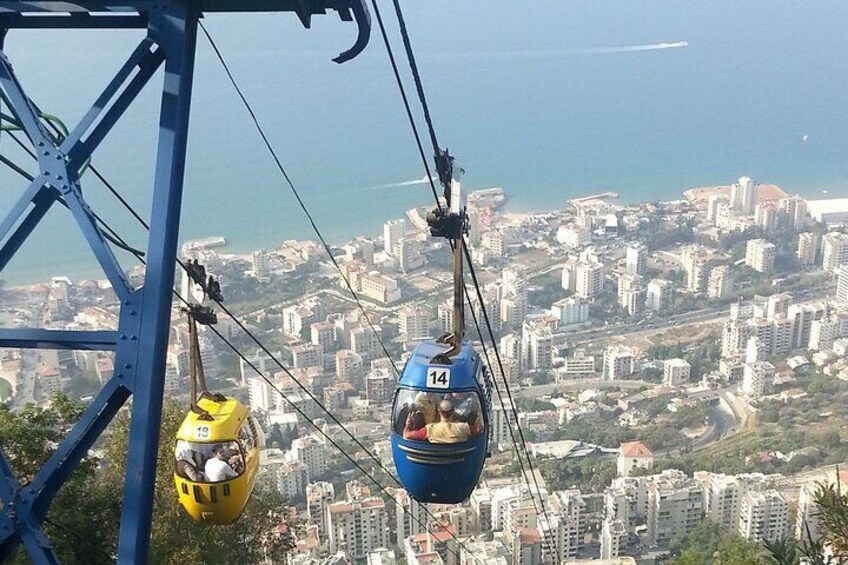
(548,99)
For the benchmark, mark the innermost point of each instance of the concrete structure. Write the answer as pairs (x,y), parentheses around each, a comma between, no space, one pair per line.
(842,285)
(414,323)
(723,495)
(658,295)
(793,213)
(743,195)
(634,455)
(806,249)
(358,526)
(834,250)
(829,211)
(613,538)
(570,311)
(766,216)
(319,496)
(618,362)
(763,516)
(675,507)
(719,282)
(393,231)
(589,279)
(636,259)
(757,378)
(630,293)
(823,333)
(760,255)
(573,236)
(714,203)
(676,372)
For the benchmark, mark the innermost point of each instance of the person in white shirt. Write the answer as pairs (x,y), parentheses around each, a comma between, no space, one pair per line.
(217,469)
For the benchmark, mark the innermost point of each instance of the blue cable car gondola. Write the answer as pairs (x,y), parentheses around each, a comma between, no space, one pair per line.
(442,456)
(440,427)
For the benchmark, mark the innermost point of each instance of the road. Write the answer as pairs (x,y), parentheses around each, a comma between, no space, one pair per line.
(580,384)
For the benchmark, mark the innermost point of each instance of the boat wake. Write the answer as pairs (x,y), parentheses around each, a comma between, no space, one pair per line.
(630,48)
(415,182)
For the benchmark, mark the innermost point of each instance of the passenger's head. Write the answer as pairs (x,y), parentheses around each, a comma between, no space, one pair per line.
(445,409)
(219,451)
(416,420)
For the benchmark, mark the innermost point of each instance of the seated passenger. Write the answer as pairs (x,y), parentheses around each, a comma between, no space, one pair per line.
(217,469)
(446,430)
(426,403)
(465,406)
(185,464)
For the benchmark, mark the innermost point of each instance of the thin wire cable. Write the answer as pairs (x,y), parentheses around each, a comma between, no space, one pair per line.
(260,130)
(299,384)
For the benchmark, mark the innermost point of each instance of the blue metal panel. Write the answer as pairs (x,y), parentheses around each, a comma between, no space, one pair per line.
(38,338)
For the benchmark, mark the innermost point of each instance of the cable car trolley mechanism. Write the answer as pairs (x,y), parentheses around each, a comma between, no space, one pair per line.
(441,414)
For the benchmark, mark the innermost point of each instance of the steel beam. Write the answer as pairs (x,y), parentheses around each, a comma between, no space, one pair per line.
(38,338)
(176,32)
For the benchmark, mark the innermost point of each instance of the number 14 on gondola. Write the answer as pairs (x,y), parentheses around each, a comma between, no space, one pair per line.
(438,377)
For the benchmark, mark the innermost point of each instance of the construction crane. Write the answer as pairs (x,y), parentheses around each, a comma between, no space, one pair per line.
(141,338)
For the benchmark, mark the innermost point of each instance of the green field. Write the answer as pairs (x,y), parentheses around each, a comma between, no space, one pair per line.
(5,390)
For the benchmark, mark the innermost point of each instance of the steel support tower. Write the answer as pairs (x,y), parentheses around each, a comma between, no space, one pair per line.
(141,338)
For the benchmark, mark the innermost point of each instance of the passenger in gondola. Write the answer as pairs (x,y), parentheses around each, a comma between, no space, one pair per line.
(446,430)
(426,402)
(185,465)
(217,468)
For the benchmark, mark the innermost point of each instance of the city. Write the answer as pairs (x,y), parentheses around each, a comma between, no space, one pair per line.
(674,364)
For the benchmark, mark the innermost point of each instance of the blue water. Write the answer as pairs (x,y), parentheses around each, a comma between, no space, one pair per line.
(527,94)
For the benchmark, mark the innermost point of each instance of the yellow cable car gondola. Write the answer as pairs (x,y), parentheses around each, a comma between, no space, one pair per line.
(217,461)
(216,456)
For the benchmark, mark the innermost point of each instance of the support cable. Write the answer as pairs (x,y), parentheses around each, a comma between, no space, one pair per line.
(260,130)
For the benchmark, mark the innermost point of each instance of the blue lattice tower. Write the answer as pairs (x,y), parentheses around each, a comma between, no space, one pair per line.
(141,339)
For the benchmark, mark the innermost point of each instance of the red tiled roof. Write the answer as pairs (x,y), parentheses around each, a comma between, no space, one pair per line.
(635,449)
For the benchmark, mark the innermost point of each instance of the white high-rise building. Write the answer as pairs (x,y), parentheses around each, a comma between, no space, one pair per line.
(261,264)
(358,526)
(658,295)
(319,496)
(714,203)
(563,527)
(570,311)
(723,495)
(313,453)
(823,333)
(537,346)
(414,323)
(613,537)
(760,255)
(719,282)
(590,279)
(502,419)
(675,507)
(743,195)
(393,231)
(630,293)
(411,516)
(757,378)
(806,250)
(618,362)
(695,262)
(636,259)
(766,216)
(763,516)
(834,250)
(807,521)
(794,212)
(842,285)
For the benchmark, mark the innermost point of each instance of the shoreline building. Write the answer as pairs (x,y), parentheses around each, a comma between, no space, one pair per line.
(834,251)
(743,196)
(806,249)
